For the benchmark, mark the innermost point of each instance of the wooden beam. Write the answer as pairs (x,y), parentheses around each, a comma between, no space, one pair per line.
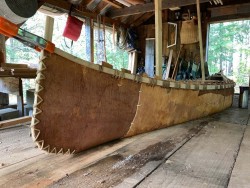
(158,37)
(130,20)
(65,7)
(104,9)
(81,12)
(230,12)
(142,19)
(135,2)
(113,3)
(93,4)
(200,40)
(125,3)
(5,73)
(149,7)
(13,122)
(14,66)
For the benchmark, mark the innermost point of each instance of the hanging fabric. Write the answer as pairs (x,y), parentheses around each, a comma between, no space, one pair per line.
(73,27)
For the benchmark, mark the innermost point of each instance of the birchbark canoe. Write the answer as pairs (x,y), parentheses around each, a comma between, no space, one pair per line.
(79,105)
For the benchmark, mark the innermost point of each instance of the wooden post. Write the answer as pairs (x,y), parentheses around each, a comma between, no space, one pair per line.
(200,40)
(89,35)
(88,38)
(104,40)
(20,106)
(48,34)
(158,37)
(92,41)
(49,25)
(249,84)
(2,50)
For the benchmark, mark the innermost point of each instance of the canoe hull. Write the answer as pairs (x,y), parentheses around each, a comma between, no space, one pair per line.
(77,107)
(162,107)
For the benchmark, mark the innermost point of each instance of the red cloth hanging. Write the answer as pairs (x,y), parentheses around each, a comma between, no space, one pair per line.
(73,26)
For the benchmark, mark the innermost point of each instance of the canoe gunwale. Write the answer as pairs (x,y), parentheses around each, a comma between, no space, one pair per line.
(189,84)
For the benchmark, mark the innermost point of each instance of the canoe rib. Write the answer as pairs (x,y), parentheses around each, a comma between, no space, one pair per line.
(79,105)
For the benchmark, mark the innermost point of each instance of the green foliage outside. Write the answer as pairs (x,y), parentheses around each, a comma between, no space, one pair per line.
(115,56)
(229,50)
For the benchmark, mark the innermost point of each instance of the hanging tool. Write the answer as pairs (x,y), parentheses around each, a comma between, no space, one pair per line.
(10,29)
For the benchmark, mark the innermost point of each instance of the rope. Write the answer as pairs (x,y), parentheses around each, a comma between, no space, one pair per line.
(153,82)
(118,74)
(138,78)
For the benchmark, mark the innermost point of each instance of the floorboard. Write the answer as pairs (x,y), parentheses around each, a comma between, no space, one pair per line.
(200,153)
(44,169)
(151,148)
(16,145)
(241,173)
(205,161)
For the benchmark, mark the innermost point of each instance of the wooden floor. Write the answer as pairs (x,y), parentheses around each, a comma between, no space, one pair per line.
(209,152)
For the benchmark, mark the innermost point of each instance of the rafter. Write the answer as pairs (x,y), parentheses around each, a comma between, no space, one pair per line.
(149,7)
(143,18)
(105,9)
(116,5)
(93,4)
(101,7)
(81,12)
(125,3)
(135,2)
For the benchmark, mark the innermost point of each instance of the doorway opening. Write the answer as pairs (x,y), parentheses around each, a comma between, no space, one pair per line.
(229,50)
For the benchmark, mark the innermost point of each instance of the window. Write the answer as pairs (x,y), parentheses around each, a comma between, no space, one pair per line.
(115,56)
(77,48)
